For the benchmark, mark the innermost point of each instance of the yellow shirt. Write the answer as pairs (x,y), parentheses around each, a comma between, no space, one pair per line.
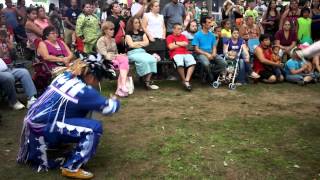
(226,33)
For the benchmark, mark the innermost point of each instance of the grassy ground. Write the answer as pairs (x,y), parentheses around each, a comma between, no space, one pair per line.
(256,132)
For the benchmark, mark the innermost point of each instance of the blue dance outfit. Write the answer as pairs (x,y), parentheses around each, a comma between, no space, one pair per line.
(59,116)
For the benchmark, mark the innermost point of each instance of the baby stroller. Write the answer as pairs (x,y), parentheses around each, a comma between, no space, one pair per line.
(231,72)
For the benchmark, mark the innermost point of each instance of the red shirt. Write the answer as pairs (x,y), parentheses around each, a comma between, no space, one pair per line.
(180,50)
(257,65)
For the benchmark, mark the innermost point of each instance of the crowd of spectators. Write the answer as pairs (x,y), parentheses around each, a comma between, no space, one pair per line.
(267,35)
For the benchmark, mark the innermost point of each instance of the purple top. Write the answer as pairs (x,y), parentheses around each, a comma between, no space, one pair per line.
(60,51)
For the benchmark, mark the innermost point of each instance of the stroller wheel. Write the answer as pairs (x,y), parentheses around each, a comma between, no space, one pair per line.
(215,84)
(232,86)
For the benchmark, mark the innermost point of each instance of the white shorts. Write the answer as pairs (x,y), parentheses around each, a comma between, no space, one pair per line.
(184,60)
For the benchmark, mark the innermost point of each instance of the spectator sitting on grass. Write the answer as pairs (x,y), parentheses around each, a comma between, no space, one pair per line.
(297,70)
(263,62)
(177,44)
(286,38)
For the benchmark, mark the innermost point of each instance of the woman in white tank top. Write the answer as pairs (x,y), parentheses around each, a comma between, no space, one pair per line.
(153,22)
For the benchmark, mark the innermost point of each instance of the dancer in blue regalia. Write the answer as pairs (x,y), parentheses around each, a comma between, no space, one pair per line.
(59,116)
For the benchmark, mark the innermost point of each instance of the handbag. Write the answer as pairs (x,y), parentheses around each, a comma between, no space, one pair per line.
(119,37)
(130,85)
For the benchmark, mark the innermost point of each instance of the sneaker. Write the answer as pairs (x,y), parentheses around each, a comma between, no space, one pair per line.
(151,86)
(77,174)
(239,84)
(18,105)
(31,101)
(254,75)
(187,86)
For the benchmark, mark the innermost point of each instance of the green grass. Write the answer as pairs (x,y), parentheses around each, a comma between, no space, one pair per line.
(256,132)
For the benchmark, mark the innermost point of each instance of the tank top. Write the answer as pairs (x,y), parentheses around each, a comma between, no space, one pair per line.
(257,65)
(31,36)
(235,46)
(304,31)
(135,37)
(154,26)
(271,29)
(42,23)
(59,51)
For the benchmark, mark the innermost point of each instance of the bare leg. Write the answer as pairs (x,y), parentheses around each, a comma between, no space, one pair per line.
(181,74)
(189,73)
(148,77)
(316,63)
(123,78)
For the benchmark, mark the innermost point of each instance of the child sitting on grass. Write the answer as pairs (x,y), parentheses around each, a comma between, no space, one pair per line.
(276,58)
(296,69)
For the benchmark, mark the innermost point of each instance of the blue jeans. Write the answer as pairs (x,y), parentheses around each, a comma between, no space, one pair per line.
(244,70)
(294,78)
(7,83)
(219,65)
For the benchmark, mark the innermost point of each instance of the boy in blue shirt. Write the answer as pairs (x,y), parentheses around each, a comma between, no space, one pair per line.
(205,48)
(296,70)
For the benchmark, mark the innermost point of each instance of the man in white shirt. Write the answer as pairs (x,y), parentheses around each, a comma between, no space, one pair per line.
(138,8)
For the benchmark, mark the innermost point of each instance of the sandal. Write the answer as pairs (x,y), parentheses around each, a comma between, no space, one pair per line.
(187,86)
(121,93)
